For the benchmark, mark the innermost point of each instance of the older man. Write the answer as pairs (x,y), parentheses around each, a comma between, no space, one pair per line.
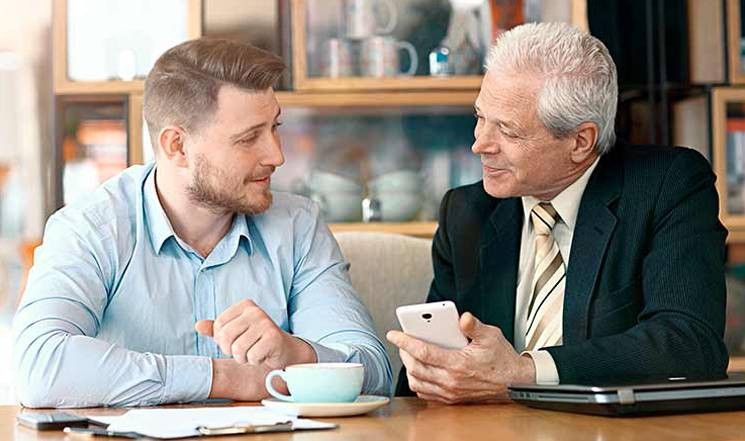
(585,260)
(187,279)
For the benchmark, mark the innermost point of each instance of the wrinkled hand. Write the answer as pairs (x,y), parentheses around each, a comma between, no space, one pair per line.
(478,372)
(247,333)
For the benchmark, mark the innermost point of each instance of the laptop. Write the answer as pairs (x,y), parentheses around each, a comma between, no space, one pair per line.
(677,395)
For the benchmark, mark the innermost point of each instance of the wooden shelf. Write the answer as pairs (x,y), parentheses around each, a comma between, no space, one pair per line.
(297,99)
(98,87)
(720,98)
(417,229)
(424,82)
(736,364)
(62,85)
(736,72)
(377,99)
(736,236)
(302,80)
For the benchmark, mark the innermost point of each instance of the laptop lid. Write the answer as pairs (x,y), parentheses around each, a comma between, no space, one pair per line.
(675,395)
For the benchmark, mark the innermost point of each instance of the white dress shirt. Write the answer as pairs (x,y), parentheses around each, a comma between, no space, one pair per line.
(566,204)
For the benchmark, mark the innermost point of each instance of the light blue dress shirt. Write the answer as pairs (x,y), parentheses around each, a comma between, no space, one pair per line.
(109,309)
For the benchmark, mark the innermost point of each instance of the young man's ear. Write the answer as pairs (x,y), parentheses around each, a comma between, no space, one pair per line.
(171,144)
(584,142)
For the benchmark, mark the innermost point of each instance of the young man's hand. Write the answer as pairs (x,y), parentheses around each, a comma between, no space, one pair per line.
(257,345)
(247,333)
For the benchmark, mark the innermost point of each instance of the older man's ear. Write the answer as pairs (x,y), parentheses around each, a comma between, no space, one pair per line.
(584,142)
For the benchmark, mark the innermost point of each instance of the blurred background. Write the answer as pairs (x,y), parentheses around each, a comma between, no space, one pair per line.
(377,103)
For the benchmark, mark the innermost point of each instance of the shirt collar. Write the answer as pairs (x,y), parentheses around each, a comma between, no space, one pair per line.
(567,202)
(227,247)
(160,229)
(158,226)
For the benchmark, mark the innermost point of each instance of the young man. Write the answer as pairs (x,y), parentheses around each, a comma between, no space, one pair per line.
(188,279)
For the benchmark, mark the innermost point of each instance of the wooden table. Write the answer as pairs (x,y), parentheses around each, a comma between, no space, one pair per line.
(411,419)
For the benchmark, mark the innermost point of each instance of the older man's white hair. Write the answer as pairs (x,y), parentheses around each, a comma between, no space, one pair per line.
(579,76)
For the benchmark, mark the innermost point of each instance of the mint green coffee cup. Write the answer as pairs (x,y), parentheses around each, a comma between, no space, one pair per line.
(319,382)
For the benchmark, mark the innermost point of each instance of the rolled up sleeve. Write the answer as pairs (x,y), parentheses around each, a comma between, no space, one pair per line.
(325,311)
(59,362)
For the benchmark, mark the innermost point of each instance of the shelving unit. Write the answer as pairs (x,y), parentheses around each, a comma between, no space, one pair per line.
(303,82)
(401,94)
(734,34)
(377,99)
(64,86)
(720,99)
(691,110)
(727,104)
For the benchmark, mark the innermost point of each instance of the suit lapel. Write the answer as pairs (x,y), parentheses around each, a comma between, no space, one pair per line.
(595,224)
(499,258)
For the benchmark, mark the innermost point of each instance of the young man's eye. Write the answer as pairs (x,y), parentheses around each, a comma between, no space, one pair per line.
(250,140)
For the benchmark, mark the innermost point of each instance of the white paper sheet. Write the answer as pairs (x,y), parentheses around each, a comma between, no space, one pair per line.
(178,423)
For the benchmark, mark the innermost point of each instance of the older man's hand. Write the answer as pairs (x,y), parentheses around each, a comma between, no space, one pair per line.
(478,372)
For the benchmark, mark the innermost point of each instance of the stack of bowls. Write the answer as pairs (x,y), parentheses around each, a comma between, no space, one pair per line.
(339,197)
(399,194)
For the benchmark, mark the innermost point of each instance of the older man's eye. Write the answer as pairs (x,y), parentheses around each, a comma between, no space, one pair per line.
(246,141)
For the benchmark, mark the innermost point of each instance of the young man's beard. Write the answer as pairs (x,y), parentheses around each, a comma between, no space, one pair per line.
(211,188)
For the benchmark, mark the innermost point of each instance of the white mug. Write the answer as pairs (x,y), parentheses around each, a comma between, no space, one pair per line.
(360,21)
(380,57)
(339,58)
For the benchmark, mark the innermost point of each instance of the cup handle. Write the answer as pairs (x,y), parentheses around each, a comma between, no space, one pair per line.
(270,388)
(392,17)
(413,61)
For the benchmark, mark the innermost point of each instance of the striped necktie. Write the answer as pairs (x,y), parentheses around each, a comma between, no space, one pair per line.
(549,276)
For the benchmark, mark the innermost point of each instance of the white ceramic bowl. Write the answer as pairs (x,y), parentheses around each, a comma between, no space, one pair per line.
(325,182)
(398,181)
(399,206)
(339,206)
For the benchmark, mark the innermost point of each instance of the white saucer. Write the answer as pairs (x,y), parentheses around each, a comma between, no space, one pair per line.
(363,404)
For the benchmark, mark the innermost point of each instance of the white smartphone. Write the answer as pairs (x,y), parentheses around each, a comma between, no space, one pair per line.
(435,323)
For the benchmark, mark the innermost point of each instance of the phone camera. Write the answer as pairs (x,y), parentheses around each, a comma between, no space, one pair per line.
(427,316)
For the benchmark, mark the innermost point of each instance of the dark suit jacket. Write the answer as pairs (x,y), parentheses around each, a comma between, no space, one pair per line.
(645,294)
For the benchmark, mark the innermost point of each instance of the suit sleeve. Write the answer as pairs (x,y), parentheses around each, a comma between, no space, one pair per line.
(680,327)
(443,284)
